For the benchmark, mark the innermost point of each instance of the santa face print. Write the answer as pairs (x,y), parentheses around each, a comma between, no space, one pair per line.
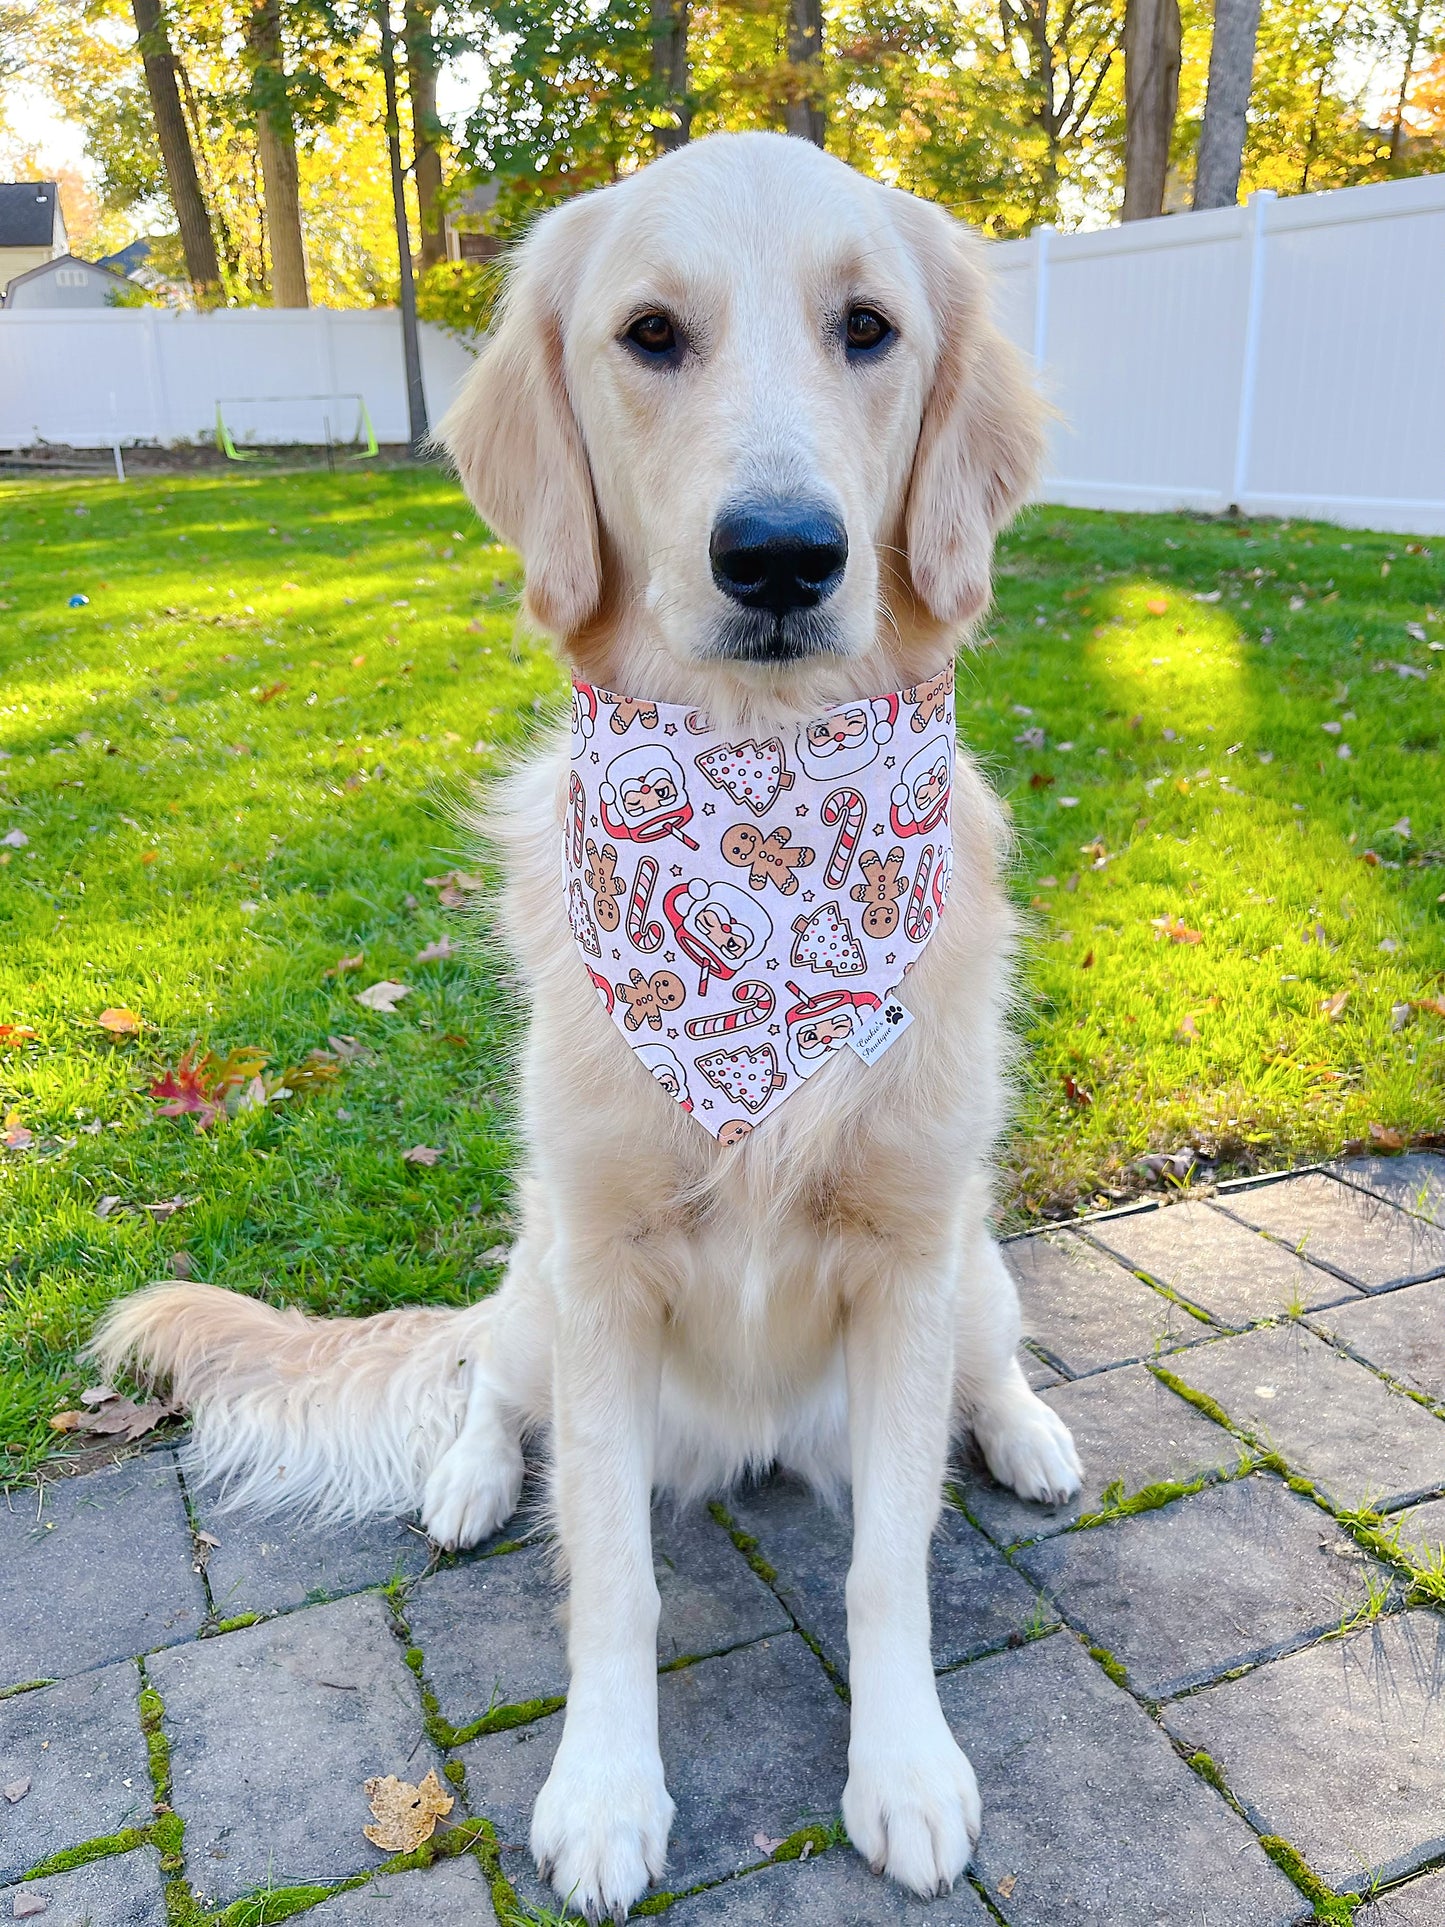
(813,1041)
(821,1022)
(644,796)
(584,717)
(728,936)
(845,740)
(719,926)
(667,1070)
(920,798)
(823,1034)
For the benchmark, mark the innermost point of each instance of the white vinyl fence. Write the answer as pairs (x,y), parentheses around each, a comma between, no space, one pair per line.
(1287,357)
(127,375)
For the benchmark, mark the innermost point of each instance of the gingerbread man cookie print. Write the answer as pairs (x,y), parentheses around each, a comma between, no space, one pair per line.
(773,858)
(606,886)
(648,997)
(883,885)
(929,700)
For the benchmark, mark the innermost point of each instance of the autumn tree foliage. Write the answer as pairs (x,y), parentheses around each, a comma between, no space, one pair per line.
(1011,112)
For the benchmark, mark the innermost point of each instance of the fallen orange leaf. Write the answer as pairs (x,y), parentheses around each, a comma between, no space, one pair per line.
(1157,606)
(406,1815)
(120,1022)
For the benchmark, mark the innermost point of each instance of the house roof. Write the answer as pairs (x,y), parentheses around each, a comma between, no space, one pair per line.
(126,260)
(28,213)
(48,268)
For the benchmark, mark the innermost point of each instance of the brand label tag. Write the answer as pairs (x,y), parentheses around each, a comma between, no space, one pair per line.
(887,1027)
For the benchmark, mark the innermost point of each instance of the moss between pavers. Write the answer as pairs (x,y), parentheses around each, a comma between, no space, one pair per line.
(747,1545)
(1200,1400)
(158,1747)
(1112,1666)
(283,1903)
(1328,1905)
(26,1686)
(1115,1503)
(1203,1765)
(103,1847)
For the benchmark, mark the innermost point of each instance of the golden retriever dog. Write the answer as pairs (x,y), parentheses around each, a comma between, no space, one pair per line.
(744,328)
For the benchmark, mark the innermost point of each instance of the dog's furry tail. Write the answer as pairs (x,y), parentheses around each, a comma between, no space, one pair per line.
(336,1418)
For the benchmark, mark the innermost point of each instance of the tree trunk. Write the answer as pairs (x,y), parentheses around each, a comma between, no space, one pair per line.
(1231,74)
(197,242)
(276,141)
(1152,44)
(805,116)
(1397,132)
(670,73)
(426,130)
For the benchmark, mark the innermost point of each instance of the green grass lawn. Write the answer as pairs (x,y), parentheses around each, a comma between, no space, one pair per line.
(240,760)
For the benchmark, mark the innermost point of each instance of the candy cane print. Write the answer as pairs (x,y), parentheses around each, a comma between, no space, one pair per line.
(755,1001)
(645,936)
(845,807)
(918,919)
(577,823)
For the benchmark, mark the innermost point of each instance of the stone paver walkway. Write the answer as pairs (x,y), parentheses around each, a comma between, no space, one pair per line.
(1209,1694)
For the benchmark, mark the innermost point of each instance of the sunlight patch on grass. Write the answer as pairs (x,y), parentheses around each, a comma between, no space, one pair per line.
(202,844)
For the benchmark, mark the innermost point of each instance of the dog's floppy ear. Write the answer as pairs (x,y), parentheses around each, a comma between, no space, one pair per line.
(981,442)
(514,437)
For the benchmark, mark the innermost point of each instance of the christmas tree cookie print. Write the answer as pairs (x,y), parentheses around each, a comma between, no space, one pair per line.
(748,1077)
(825,941)
(751,773)
(580,918)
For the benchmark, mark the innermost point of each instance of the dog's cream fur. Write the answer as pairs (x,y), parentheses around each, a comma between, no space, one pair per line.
(825,1294)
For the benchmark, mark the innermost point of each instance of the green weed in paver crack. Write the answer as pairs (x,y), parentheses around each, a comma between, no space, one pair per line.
(290,832)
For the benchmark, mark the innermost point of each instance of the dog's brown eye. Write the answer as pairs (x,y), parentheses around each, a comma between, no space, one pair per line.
(654,334)
(866,329)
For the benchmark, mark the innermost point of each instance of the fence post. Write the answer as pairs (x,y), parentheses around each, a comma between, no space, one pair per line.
(1259,203)
(1042,237)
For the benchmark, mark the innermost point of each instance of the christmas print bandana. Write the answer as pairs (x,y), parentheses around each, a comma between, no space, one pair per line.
(743,906)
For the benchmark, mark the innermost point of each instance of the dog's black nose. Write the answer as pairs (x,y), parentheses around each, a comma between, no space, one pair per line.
(778,556)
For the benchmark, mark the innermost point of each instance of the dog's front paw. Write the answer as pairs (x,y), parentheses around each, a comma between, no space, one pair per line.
(600,1826)
(1028,1446)
(913,1811)
(469,1494)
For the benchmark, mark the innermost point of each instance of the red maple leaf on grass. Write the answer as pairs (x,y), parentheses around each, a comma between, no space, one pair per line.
(200,1085)
(211,1087)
